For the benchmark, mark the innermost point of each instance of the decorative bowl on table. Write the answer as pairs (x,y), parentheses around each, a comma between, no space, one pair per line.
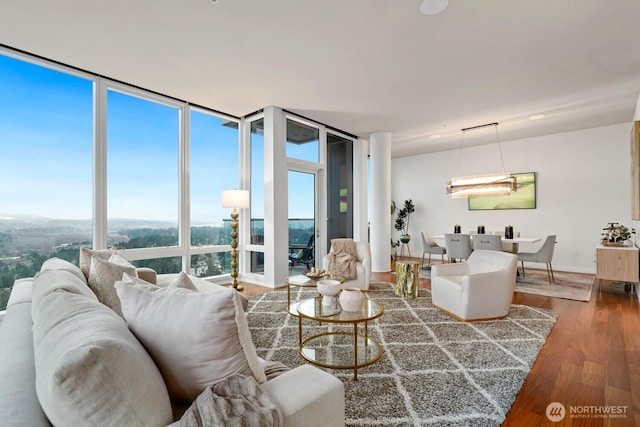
(315,274)
(328,289)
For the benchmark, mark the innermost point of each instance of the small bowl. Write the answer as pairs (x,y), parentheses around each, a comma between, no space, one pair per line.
(328,289)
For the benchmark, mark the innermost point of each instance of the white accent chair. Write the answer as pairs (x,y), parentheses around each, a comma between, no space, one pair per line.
(363,267)
(478,289)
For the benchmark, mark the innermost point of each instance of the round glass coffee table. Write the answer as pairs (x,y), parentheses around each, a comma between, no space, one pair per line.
(339,349)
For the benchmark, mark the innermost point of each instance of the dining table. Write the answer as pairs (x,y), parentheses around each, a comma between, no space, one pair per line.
(515,241)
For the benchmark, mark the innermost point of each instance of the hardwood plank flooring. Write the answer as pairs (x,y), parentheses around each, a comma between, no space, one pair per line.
(591,358)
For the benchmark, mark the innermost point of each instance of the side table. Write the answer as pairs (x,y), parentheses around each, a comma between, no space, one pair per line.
(407,279)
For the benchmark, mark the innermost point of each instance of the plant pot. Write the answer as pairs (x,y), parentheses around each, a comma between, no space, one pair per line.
(351,299)
(405,238)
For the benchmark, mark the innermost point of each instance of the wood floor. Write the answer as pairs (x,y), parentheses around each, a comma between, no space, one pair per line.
(591,360)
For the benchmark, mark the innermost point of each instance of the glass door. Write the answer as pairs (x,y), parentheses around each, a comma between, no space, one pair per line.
(303,228)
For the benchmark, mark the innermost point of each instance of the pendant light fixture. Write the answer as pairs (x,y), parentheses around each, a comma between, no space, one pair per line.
(481,185)
(433,7)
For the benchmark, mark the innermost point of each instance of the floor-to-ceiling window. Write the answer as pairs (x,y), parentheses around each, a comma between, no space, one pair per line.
(143,176)
(46,146)
(257,193)
(214,155)
(339,187)
(82,157)
(303,159)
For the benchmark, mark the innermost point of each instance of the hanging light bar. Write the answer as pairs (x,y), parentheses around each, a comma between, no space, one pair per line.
(482,185)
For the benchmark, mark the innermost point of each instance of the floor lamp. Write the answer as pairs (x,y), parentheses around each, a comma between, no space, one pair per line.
(236,199)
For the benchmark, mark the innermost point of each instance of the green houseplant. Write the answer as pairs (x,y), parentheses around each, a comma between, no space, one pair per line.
(402,220)
(615,234)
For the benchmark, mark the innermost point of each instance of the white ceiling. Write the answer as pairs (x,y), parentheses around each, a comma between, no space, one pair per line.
(360,65)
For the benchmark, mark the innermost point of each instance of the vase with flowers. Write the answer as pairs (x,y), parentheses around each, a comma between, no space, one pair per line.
(615,234)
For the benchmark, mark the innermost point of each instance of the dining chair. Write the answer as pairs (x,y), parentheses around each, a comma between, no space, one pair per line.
(490,242)
(458,246)
(544,254)
(431,247)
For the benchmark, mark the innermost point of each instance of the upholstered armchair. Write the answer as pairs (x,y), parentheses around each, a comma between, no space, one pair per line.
(363,267)
(478,289)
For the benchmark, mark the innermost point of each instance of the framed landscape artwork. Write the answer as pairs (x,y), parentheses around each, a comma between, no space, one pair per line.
(523,198)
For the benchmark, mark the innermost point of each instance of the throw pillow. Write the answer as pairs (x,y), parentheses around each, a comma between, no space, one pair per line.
(183,281)
(102,276)
(195,339)
(237,400)
(116,258)
(86,255)
(91,370)
(133,279)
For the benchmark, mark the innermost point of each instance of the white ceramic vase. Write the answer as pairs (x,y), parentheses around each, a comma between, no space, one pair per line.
(351,299)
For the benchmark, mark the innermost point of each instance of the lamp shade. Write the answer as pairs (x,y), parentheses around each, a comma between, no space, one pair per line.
(235,198)
(433,7)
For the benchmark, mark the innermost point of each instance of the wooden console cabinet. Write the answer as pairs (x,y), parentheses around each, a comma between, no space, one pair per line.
(617,263)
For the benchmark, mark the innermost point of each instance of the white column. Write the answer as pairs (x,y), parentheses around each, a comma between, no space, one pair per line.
(276,202)
(380,151)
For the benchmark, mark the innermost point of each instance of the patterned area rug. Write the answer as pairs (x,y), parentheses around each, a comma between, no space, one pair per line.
(434,370)
(571,286)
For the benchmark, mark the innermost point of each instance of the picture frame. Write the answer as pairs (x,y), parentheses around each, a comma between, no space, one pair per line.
(523,198)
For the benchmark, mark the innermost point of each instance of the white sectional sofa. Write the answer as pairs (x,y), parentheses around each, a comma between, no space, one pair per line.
(68,359)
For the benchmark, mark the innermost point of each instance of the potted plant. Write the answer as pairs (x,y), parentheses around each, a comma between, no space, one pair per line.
(394,243)
(402,220)
(616,235)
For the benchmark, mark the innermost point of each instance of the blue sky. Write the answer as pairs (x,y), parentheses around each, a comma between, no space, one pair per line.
(46,138)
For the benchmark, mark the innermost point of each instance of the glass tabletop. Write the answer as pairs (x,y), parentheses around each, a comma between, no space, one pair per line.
(313,309)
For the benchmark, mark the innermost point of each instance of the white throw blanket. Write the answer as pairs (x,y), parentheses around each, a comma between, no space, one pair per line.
(237,401)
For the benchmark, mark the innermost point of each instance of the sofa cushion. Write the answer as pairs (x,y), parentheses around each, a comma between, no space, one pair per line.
(86,255)
(48,281)
(102,276)
(61,264)
(19,404)
(195,339)
(91,370)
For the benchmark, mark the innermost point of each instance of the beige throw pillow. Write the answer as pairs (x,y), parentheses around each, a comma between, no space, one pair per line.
(87,254)
(195,339)
(91,370)
(116,258)
(102,276)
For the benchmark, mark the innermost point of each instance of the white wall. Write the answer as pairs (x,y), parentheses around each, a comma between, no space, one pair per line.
(582,178)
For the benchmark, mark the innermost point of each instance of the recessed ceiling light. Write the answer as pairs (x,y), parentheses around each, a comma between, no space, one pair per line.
(433,7)
(214,1)
(536,116)
(436,136)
